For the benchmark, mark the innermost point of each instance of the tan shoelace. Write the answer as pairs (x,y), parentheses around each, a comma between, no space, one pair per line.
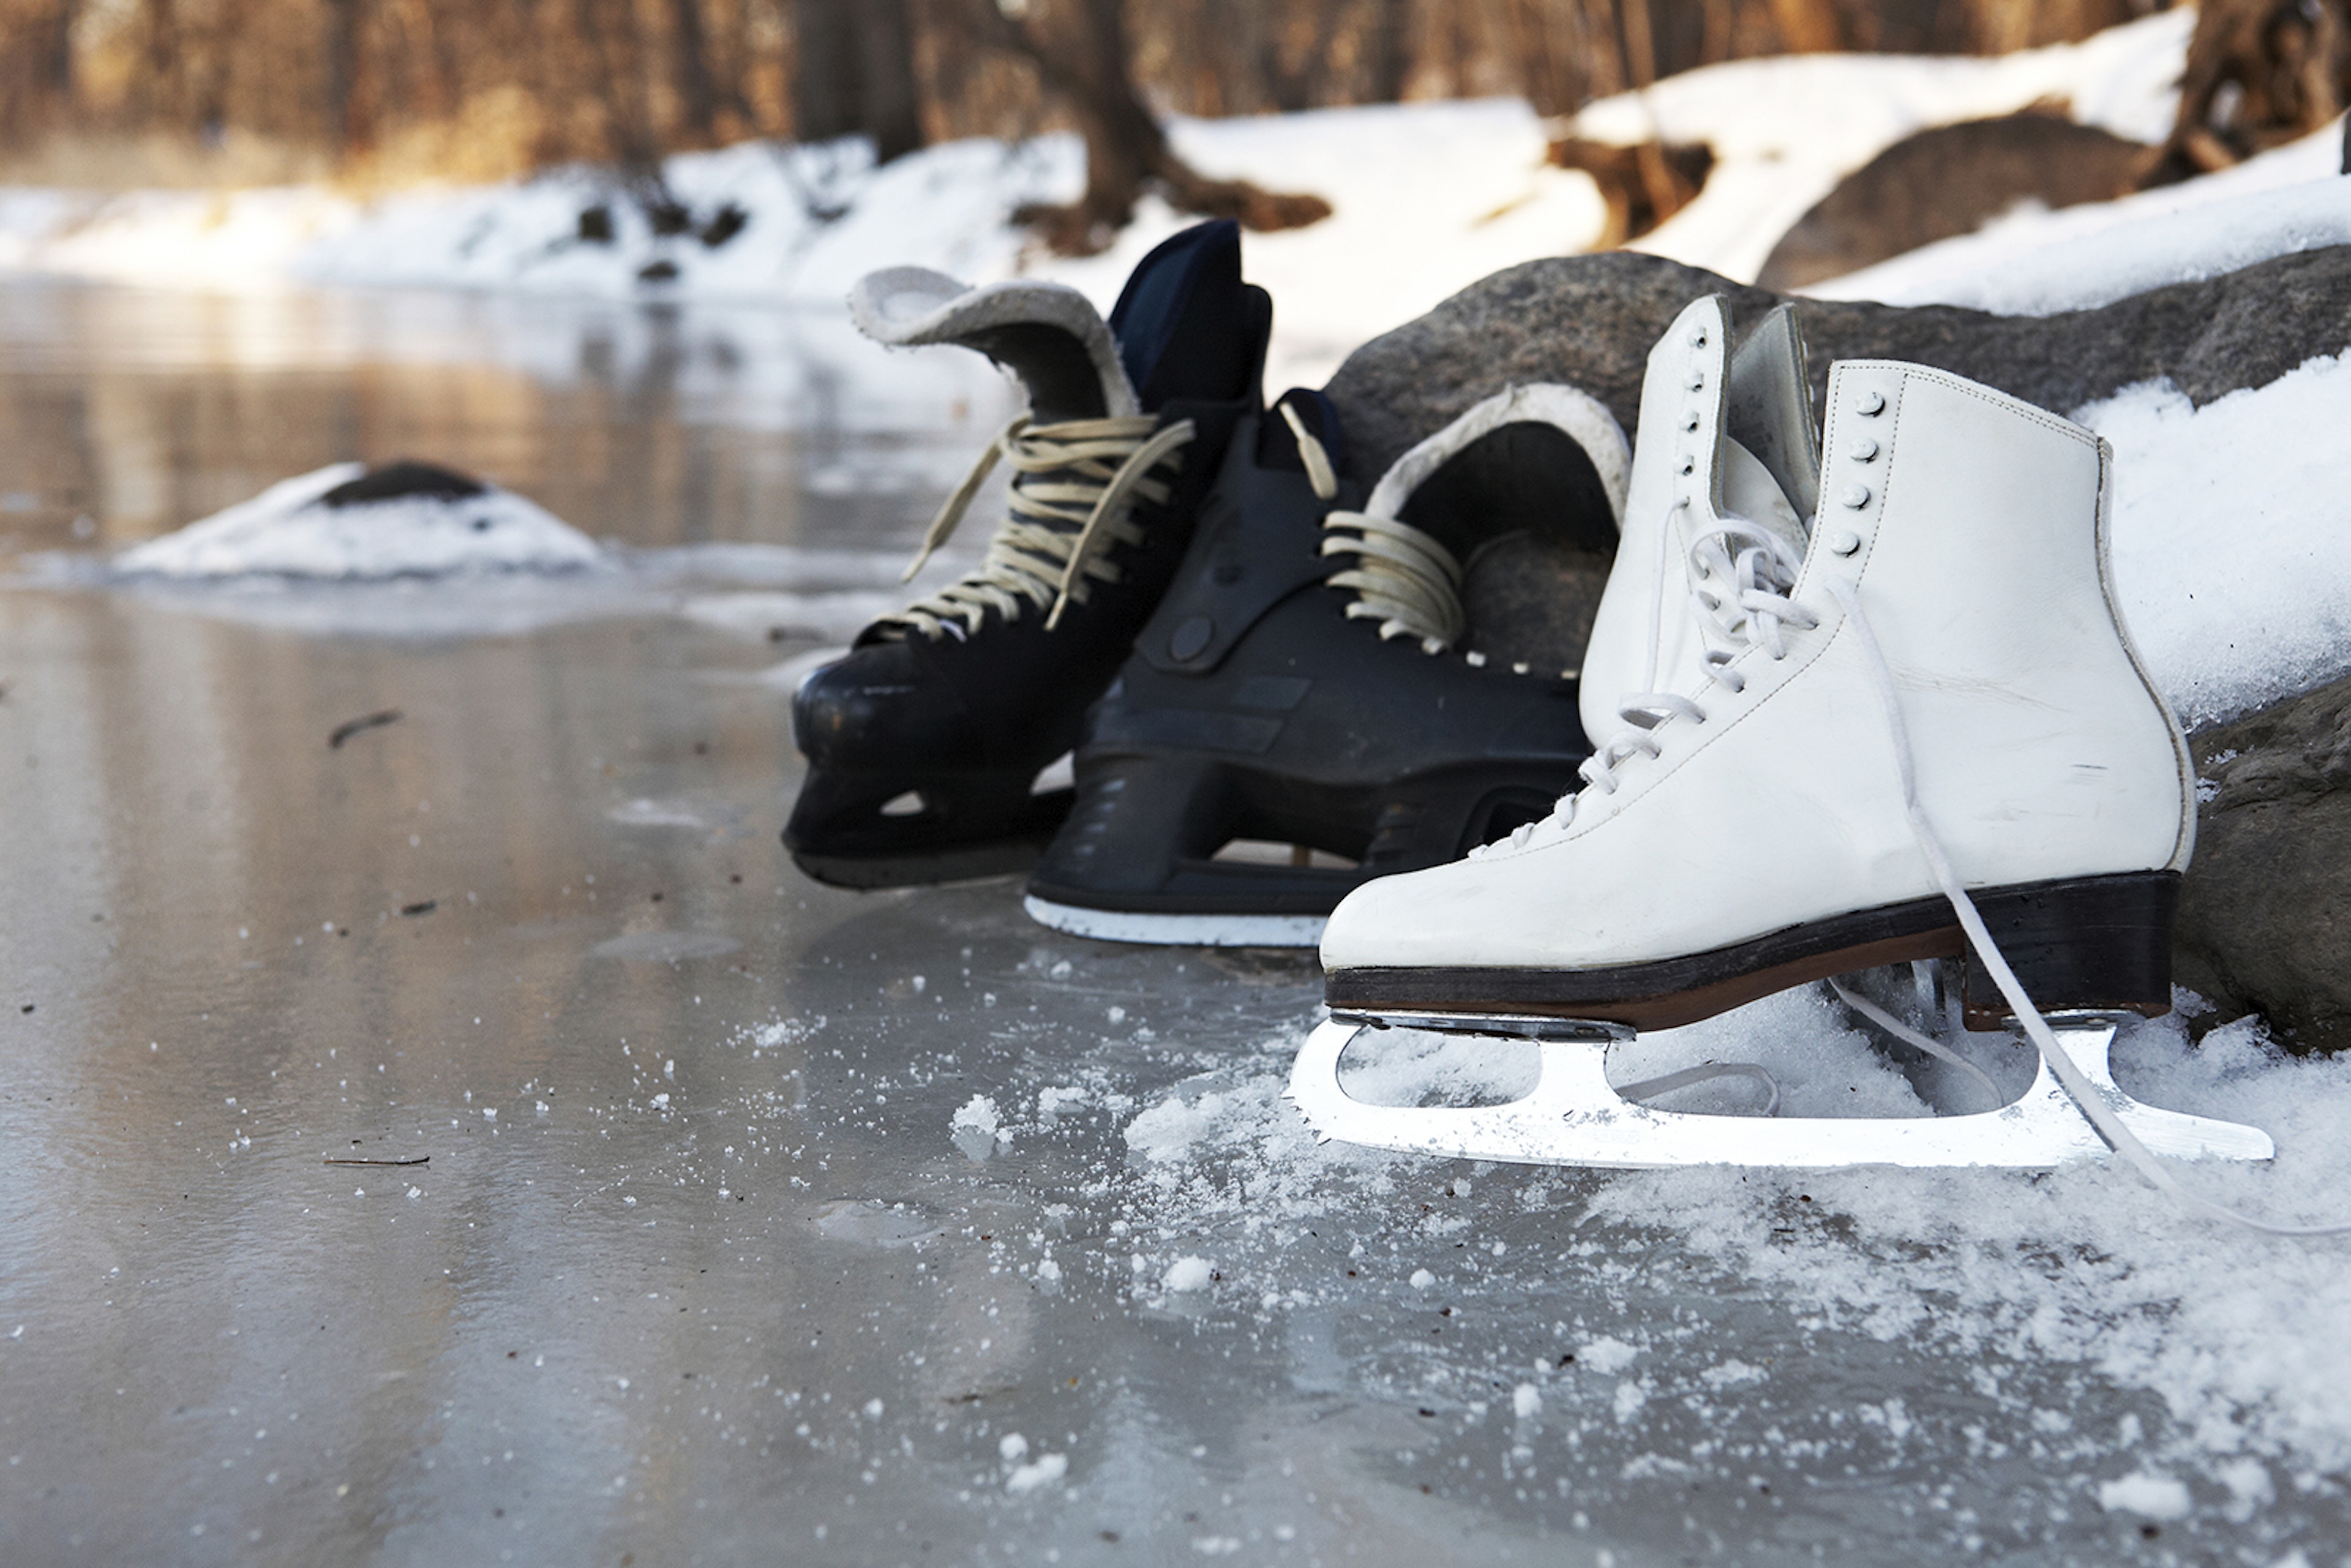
(1402,578)
(1073,484)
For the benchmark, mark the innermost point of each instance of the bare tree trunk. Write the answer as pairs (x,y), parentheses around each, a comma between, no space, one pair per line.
(698,96)
(1081,56)
(854,74)
(891,112)
(1390,50)
(1807,26)
(346,116)
(2260,73)
(824,69)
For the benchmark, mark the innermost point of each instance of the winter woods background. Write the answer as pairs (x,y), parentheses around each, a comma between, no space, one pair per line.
(486,86)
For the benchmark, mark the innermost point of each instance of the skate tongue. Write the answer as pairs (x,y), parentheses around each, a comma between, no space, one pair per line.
(1748,491)
(1188,327)
(1048,334)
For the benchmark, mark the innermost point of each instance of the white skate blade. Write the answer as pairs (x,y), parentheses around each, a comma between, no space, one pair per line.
(1575,1118)
(1179,930)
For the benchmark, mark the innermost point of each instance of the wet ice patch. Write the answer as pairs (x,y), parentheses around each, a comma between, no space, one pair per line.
(873,1223)
(350,523)
(667,947)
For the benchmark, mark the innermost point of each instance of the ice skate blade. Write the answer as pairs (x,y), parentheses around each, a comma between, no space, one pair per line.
(1574,1118)
(1178,930)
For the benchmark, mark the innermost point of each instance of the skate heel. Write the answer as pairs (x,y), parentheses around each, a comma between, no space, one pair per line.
(2099,944)
(887,830)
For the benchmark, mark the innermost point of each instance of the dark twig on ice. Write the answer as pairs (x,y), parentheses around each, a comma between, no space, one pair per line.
(349,727)
(418,1160)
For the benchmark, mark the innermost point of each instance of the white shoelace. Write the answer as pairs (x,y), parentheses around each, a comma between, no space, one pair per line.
(2084,1095)
(1743,574)
(1402,578)
(1072,486)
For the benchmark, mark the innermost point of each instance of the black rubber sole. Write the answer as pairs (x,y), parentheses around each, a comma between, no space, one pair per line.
(1142,838)
(2087,944)
(970,825)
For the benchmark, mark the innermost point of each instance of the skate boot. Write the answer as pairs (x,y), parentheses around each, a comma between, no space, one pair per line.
(925,744)
(1918,731)
(1311,680)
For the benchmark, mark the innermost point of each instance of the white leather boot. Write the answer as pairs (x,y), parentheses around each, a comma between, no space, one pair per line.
(1756,835)
(1727,440)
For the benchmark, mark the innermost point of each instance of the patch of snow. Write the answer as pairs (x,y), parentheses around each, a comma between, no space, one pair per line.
(1785,130)
(2229,566)
(2035,262)
(1047,1470)
(2147,1495)
(1187,1273)
(1526,1400)
(1607,1357)
(288,531)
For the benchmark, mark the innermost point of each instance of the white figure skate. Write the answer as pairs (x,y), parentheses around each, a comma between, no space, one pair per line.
(1916,730)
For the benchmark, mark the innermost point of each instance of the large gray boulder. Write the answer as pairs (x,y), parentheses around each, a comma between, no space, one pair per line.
(1589,321)
(2265,916)
(2265,921)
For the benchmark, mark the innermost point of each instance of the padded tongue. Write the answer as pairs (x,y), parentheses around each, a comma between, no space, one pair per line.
(1750,491)
(1541,459)
(1188,327)
(1048,334)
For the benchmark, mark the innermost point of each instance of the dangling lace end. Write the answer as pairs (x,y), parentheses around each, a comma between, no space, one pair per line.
(1314,454)
(958,501)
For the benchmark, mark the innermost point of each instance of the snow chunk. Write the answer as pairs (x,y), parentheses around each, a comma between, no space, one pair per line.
(2232,582)
(2147,1494)
(312,525)
(1526,1400)
(1187,1273)
(1012,1448)
(978,1128)
(1047,1470)
(1421,1280)
(1606,1355)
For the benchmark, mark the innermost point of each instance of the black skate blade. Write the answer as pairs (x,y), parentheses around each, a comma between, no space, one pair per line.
(970,863)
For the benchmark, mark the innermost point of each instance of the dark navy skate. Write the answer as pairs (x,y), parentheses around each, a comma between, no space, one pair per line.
(925,745)
(1311,686)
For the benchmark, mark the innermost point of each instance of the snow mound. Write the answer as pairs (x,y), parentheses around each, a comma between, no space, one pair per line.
(2232,576)
(1785,130)
(2149,1496)
(2035,262)
(326,525)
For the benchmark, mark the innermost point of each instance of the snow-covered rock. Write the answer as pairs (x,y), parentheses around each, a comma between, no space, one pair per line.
(349,522)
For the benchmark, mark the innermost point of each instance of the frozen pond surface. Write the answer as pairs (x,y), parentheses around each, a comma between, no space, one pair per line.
(764,1223)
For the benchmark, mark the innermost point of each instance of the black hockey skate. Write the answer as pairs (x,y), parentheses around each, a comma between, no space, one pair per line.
(1310,680)
(926,743)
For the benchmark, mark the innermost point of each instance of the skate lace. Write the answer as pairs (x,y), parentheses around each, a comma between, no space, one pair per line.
(1073,485)
(1742,575)
(2085,1095)
(1402,577)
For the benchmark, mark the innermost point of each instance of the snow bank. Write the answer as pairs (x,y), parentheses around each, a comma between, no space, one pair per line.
(2228,550)
(1785,130)
(2033,261)
(1427,198)
(295,529)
